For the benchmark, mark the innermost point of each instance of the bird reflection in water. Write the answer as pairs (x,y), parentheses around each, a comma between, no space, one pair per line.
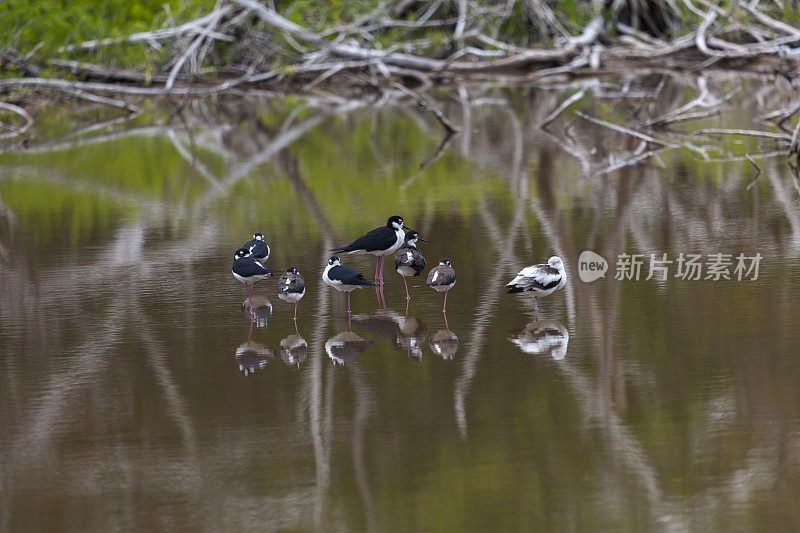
(543,337)
(252,356)
(411,336)
(444,342)
(406,333)
(344,346)
(294,350)
(262,309)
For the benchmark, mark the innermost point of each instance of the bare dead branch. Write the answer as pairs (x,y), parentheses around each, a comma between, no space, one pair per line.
(193,26)
(104,73)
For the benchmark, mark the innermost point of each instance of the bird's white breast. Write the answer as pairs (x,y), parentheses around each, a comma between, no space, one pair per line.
(400,238)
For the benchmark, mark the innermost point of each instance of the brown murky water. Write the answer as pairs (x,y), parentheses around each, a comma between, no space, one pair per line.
(131,397)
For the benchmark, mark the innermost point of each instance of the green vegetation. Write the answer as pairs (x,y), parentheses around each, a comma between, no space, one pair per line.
(25,24)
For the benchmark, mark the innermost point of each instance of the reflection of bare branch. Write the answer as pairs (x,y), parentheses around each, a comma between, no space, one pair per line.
(623,444)
(280,142)
(622,129)
(363,402)
(560,109)
(14,131)
(192,159)
(320,432)
(430,107)
(448,138)
(89,360)
(784,199)
(493,290)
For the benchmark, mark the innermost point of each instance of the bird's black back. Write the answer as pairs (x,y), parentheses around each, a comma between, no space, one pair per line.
(348,276)
(377,239)
(248,266)
(258,249)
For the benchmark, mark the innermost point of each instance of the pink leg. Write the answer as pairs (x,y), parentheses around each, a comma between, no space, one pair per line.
(251,330)
(295,328)
(249,297)
(408,301)
(445,323)
(444,309)
(295,310)
(377,268)
(348,303)
(408,296)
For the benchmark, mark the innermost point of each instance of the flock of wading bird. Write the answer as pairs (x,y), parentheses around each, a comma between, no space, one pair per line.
(249,267)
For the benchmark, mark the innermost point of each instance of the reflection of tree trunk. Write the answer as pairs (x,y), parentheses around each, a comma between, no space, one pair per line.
(619,442)
(321,431)
(488,300)
(363,403)
(292,169)
(623,446)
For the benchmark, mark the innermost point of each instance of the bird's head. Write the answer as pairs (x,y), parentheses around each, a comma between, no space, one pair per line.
(334,260)
(396,222)
(292,270)
(444,262)
(258,237)
(556,262)
(412,237)
(241,252)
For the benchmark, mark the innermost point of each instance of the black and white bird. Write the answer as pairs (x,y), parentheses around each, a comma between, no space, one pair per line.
(542,280)
(380,242)
(442,278)
(259,249)
(408,261)
(291,287)
(248,270)
(343,278)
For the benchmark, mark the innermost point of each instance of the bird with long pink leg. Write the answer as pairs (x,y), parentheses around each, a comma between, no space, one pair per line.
(291,288)
(379,242)
(442,278)
(248,270)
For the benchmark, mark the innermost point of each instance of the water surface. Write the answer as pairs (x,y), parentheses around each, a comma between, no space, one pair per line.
(625,405)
